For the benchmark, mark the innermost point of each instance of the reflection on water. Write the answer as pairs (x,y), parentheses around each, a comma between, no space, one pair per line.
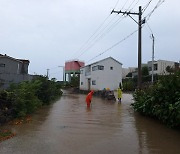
(88,109)
(68,126)
(156,138)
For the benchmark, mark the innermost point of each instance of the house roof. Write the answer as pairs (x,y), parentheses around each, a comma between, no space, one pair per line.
(24,60)
(18,60)
(161,60)
(103,60)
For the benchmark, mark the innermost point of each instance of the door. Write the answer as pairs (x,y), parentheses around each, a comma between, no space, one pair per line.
(89,84)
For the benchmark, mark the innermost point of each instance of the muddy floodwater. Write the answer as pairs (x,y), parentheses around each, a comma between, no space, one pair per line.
(68,127)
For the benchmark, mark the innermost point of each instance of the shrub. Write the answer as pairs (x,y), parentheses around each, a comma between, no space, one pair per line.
(161,100)
(26,97)
(46,90)
(26,102)
(6,106)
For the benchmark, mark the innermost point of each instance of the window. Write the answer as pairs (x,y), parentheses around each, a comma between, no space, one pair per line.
(98,67)
(155,67)
(93,82)
(81,83)
(2,65)
(111,68)
(81,71)
(94,68)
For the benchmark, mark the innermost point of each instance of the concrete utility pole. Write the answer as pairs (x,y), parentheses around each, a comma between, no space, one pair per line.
(63,72)
(47,73)
(140,22)
(152,79)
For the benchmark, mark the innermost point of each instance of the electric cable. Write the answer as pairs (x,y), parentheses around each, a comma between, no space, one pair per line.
(147,5)
(82,47)
(159,3)
(125,38)
(101,36)
(116,3)
(93,34)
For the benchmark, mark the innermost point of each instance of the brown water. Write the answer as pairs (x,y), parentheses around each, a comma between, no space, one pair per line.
(68,127)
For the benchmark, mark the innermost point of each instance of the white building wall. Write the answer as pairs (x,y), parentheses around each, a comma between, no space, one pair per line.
(106,78)
(83,80)
(161,66)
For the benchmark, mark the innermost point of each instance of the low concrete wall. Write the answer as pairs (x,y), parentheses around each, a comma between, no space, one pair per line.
(7,79)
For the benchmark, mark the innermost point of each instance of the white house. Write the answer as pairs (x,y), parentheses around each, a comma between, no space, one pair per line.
(160,66)
(106,73)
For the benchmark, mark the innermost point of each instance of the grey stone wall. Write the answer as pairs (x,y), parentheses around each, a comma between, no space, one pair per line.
(9,78)
(10,66)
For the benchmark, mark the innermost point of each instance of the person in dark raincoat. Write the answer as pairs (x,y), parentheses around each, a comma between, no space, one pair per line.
(89,98)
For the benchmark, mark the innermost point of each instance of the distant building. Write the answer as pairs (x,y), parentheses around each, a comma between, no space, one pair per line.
(126,71)
(106,73)
(13,70)
(131,72)
(72,67)
(160,66)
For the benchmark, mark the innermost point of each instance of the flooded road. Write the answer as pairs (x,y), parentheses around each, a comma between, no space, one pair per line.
(68,127)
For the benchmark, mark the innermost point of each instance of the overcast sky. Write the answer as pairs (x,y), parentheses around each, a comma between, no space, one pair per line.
(50,32)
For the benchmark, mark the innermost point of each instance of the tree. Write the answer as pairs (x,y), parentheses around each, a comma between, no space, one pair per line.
(129,75)
(145,71)
(75,80)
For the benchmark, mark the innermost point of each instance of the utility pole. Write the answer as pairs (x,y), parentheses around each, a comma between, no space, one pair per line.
(152,79)
(140,22)
(63,73)
(47,73)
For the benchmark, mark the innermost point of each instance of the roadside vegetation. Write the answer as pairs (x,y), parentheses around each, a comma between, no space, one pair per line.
(161,100)
(25,98)
(6,134)
(74,83)
(130,82)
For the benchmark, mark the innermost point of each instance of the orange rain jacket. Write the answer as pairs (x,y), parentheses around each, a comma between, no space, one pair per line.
(89,98)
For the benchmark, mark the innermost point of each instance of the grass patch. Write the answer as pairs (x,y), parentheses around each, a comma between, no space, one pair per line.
(6,134)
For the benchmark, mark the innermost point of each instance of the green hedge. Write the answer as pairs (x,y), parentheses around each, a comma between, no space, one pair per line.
(26,97)
(161,100)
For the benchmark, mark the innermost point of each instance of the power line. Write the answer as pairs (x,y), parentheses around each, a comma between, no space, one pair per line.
(99,37)
(93,33)
(149,27)
(134,5)
(125,38)
(147,5)
(131,5)
(116,3)
(87,42)
(159,3)
(124,4)
(108,30)
(116,22)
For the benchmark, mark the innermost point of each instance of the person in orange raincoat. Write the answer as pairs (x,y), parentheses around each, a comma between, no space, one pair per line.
(89,98)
